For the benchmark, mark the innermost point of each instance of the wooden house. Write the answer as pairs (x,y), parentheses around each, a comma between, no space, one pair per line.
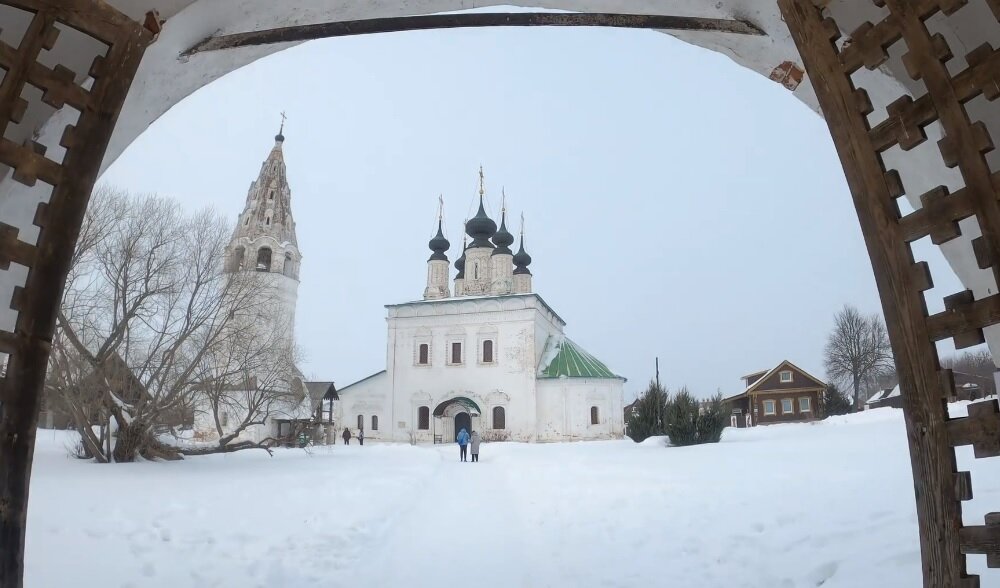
(783,394)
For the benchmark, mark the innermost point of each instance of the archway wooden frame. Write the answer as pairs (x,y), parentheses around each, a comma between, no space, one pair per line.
(932,435)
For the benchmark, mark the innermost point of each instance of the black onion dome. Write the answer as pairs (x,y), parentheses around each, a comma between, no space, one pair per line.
(460,266)
(522,260)
(481,228)
(439,245)
(503,239)
(279,138)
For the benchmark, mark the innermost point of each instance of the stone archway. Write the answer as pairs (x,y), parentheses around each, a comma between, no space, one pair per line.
(49,178)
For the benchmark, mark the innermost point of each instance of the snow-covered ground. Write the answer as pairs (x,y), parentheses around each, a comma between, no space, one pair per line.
(828,504)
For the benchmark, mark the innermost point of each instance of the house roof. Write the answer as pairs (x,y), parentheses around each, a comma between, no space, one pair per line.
(366,378)
(883,395)
(785,363)
(321,391)
(571,361)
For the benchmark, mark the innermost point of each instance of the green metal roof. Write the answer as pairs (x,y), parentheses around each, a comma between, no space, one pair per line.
(571,361)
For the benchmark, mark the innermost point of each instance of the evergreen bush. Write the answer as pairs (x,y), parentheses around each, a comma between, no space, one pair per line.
(689,422)
(835,402)
(647,419)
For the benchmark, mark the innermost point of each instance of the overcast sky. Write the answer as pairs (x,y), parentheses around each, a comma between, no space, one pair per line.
(677,204)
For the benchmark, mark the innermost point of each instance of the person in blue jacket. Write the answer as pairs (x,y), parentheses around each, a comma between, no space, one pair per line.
(463,442)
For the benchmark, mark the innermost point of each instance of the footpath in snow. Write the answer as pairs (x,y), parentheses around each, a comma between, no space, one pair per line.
(828,504)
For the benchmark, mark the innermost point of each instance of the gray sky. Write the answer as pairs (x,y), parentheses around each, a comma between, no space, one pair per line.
(677,204)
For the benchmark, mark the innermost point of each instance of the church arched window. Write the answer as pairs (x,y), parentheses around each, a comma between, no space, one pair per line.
(488,351)
(595,415)
(499,417)
(475,270)
(271,197)
(423,354)
(374,423)
(361,421)
(423,418)
(264,259)
(289,268)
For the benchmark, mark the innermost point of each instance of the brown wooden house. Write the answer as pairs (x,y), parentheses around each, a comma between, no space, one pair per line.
(784,394)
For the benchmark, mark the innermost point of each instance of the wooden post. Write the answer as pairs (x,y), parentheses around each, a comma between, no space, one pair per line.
(72,181)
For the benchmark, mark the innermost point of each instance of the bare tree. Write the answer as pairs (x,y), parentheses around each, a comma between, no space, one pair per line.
(146,306)
(857,351)
(245,380)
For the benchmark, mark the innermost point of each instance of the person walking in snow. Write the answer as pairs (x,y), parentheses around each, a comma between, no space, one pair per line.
(347,436)
(463,442)
(361,436)
(474,446)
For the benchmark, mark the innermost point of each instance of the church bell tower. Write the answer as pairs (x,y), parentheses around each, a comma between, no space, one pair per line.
(264,239)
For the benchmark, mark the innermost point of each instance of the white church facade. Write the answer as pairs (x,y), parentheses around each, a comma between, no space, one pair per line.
(493,357)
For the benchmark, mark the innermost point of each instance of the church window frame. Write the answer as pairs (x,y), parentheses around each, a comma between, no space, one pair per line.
(498,422)
(424,418)
(456,352)
(423,354)
(374,422)
(487,351)
(595,415)
(361,422)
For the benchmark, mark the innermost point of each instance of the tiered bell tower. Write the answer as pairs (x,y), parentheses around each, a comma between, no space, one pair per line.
(264,239)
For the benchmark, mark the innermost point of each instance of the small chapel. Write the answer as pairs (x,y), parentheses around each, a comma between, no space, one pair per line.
(483,351)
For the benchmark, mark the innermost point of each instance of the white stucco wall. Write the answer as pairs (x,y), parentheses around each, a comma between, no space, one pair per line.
(564,409)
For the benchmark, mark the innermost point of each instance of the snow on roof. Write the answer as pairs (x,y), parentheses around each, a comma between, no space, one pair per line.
(883,394)
(566,359)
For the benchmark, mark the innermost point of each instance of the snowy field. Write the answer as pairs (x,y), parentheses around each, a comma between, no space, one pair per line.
(828,504)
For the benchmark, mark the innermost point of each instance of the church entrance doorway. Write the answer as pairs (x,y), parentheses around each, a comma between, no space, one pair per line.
(463,421)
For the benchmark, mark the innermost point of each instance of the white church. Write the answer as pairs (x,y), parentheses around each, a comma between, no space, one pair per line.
(490,356)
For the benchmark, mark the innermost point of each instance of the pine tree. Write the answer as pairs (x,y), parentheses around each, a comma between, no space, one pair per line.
(835,402)
(689,422)
(647,419)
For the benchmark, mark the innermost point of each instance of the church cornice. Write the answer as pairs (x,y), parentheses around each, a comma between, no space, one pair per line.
(467,299)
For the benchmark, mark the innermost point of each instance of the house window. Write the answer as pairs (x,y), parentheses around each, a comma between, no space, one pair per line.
(487,351)
(361,421)
(423,418)
(499,418)
(787,406)
(785,376)
(769,408)
(805,405)
(595,415)
(423,354)
(456,353)
(374,423)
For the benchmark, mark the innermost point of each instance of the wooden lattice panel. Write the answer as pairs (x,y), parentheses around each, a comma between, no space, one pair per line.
(88,99)
(831,58)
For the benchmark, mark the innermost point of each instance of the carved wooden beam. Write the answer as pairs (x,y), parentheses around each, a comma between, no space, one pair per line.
(472,20)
